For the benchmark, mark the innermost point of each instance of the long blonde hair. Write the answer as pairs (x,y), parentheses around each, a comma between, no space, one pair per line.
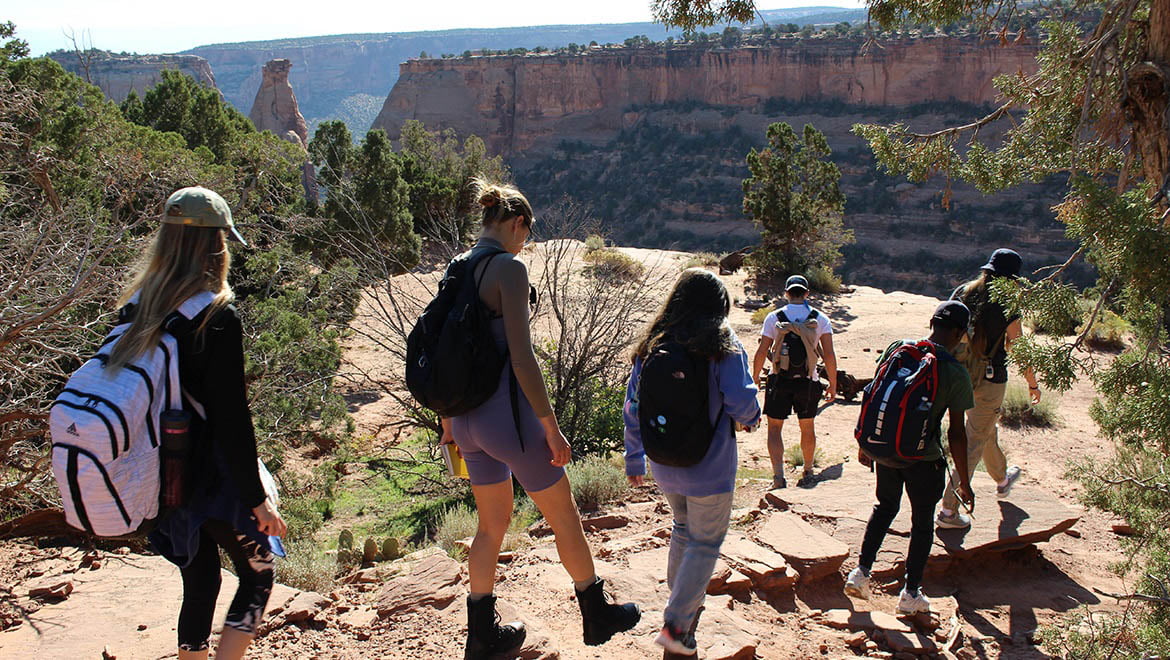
(181,262)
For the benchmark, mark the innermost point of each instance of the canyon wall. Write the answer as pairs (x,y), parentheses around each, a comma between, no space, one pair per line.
(518,103)
(116,75)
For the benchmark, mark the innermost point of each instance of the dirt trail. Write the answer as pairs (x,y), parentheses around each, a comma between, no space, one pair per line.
(999,600)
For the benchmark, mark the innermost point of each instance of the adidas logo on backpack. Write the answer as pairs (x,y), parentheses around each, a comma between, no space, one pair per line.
(105,431)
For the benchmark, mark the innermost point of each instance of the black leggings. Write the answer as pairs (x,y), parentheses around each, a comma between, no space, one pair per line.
(924,484)
(201,581)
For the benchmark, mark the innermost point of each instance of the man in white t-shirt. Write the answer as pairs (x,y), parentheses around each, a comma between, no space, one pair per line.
(792,337)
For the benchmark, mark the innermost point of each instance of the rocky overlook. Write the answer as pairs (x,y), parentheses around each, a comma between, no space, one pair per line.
(518,103)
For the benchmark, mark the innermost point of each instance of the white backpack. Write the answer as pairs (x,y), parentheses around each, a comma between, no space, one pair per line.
(105,432)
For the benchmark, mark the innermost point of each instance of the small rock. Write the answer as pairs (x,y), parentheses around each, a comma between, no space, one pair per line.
(858,640)
(305,606)
(867,350)
(141,627)
(1123,529)
(95,565)
(767,569)
(871,646)
(609,521)
(1073,532)
(506,557)
(823,648)
(51,590)
(108,653)
(122,550)
(912,643)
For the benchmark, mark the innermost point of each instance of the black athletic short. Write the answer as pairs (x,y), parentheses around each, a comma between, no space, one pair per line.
(783,395)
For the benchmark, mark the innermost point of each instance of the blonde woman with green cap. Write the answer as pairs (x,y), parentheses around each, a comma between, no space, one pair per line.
(225,503)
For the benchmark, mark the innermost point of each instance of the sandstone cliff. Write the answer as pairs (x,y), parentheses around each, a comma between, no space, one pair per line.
(517,103)
(116,75)
(275,108)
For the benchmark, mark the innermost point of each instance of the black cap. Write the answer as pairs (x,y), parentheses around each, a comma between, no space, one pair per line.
(1004,262)
(953,313)
(796,282)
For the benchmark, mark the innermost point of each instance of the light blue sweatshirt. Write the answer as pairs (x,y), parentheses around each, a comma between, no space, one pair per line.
(731,387)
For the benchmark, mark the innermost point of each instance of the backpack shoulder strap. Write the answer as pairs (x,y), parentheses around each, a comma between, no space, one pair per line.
(781,316)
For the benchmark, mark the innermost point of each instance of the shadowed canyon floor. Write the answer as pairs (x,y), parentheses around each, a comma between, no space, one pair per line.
(776,592)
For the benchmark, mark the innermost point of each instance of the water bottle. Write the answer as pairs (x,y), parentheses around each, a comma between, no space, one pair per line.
(783,362)
(176,443)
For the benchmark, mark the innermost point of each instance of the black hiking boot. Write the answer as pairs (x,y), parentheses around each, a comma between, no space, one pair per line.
(486,638)
(601,618)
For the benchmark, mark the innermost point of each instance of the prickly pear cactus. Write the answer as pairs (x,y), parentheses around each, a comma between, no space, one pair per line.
(390,549)
(345,540)
(345,556)
(370,552)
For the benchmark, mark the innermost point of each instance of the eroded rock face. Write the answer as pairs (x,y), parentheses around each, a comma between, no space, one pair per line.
(275,108)
(117,75)
(517,103)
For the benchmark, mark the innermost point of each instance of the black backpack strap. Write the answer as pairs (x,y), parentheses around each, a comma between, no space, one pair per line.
(812,313)
(514,395)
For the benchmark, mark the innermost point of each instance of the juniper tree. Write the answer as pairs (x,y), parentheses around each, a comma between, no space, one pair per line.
(794,195)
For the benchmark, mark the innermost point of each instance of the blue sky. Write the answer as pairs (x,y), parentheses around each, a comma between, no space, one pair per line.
(161,27)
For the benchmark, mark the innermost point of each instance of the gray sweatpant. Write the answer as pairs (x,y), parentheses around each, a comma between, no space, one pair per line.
(700,523)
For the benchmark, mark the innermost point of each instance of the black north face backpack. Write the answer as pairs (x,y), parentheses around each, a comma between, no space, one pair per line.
(672,406)
(452,362)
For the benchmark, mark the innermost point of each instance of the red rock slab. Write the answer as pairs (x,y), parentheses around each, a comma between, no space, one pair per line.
(1030,515)
(436,581)
(813,553)
(867,621)
(767,569)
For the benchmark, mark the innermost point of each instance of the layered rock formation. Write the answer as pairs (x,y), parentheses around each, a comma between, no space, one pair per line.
(275,108)
(116,75)
(517,103)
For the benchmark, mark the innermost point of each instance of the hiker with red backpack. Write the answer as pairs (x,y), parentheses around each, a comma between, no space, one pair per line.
(689,384)
(899,435)
(169,383)
(993,329)
(793,338)
(470,359)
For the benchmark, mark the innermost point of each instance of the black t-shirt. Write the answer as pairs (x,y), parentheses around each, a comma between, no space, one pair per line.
(211,371)
(997,320)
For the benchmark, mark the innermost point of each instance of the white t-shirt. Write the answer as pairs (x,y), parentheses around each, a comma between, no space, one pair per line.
(796,314)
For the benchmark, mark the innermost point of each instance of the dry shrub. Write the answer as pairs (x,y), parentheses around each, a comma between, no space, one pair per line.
(613,265)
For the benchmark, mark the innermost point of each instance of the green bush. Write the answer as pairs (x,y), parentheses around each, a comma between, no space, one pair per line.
(1017,409)
(762,313)
(701,260)
(824,280)
(1108,332)
(795,457)
(306,567)
(459,522)
(613,265)
(596,480)
(594,242)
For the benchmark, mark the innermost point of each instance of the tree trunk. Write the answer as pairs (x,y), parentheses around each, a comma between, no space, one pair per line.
(1147,96)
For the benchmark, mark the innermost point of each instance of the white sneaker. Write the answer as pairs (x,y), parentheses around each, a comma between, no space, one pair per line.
(913,603)
(955,520)
(1013,475)
(677,642)
(857,584)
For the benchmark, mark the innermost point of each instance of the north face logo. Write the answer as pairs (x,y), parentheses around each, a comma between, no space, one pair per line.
(72,430)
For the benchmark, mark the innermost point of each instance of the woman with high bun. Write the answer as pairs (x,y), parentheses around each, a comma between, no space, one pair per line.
(498,441)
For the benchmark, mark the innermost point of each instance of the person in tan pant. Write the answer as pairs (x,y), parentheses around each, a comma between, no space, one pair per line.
(994,332)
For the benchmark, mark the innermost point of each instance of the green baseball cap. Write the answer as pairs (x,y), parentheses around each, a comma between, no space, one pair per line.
(199,207)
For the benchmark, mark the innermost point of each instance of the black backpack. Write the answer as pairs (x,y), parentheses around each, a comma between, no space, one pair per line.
(797,366)
(894,426)
(673,406)
(452,362)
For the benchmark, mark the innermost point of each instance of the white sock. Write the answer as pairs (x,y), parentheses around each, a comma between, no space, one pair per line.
(946,512)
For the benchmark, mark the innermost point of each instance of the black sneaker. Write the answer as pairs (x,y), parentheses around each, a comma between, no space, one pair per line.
(807,481)
(778,481)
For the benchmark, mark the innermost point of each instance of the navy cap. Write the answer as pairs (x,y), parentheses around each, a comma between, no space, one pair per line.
(954,313)
(1004,262)
(796,282)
